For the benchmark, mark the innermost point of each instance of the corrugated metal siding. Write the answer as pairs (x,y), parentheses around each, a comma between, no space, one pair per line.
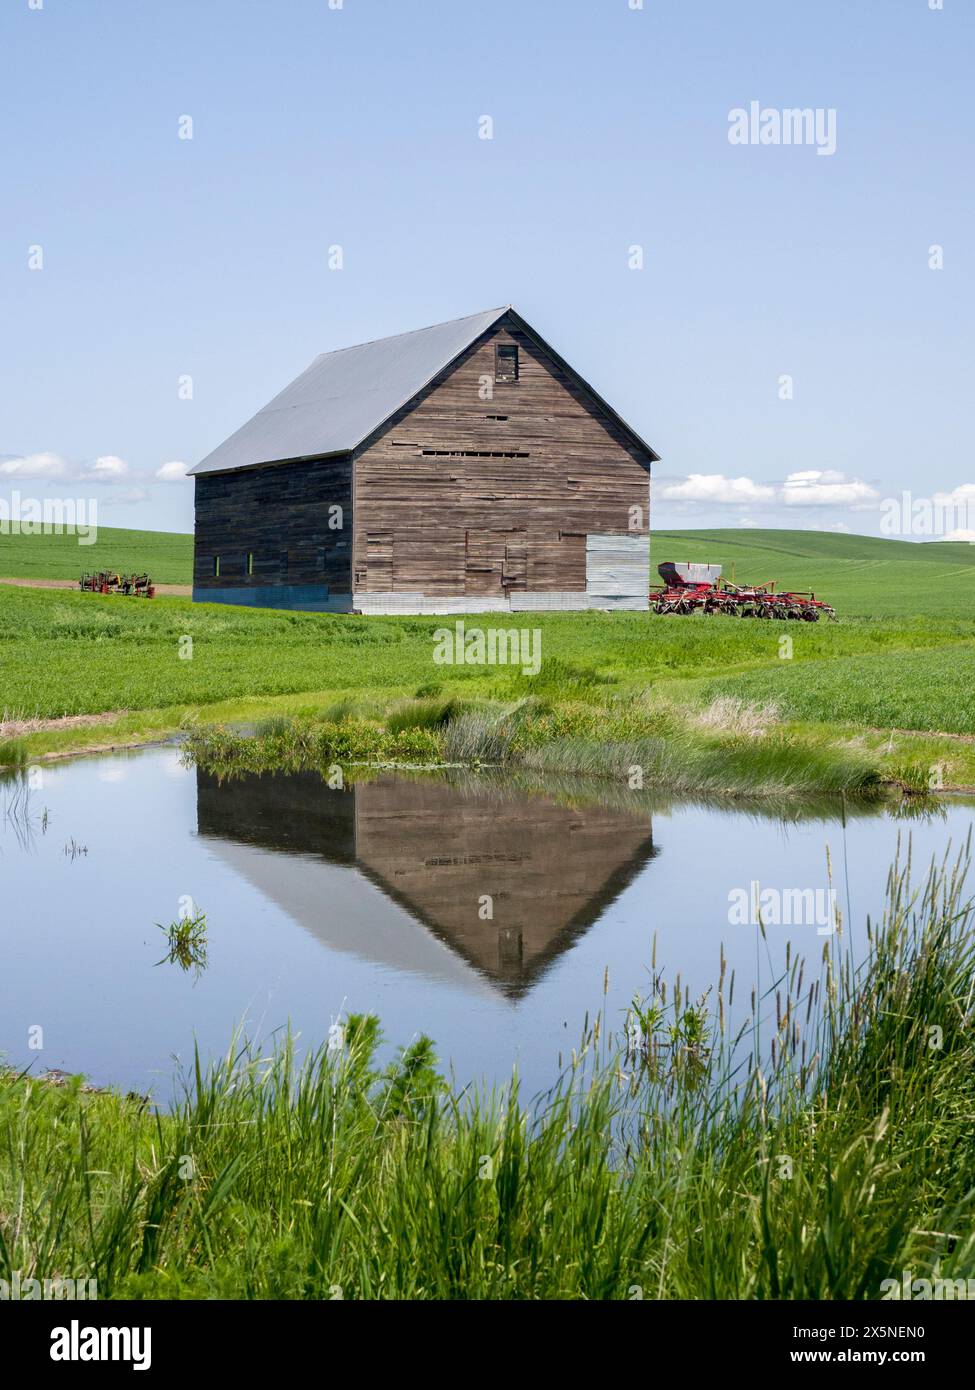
(617,567)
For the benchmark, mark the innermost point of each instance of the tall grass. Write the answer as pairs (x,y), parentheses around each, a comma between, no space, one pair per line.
(731,748)
(816,1148)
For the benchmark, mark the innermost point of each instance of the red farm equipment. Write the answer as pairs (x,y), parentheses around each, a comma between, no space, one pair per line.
(111,582)
(696,588)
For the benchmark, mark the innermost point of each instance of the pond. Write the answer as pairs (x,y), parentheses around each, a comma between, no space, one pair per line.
(493,916)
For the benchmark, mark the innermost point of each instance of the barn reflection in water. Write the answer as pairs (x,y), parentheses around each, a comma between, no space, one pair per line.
(469,878)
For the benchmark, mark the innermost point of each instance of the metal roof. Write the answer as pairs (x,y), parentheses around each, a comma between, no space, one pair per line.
(345,396)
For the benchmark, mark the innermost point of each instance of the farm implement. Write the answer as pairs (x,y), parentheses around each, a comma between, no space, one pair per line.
(110,582)
(695,588)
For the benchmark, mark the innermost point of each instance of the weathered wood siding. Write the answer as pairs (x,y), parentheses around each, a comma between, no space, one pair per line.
(279,513)
(502,503)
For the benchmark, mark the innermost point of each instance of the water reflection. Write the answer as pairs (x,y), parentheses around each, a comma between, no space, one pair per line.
(505,883)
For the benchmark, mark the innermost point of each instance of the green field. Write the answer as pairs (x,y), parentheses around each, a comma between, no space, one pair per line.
(166,556)
(861,575)
(902,656)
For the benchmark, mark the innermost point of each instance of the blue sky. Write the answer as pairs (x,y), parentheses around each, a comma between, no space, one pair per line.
(167,258)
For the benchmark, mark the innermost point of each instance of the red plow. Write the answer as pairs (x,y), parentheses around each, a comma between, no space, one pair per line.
(111,582)
(696,588)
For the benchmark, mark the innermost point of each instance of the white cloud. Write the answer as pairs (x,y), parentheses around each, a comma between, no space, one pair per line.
(174,472)
(34,466)
(106,469)
(715,487)
(746,523)
(826,488)
(960,535)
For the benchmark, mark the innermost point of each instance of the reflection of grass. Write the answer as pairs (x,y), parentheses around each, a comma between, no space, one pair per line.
(187,942)
(668,1165)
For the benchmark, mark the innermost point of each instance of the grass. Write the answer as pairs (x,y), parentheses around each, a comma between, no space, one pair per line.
(168,556)
(730,748)
(186,943)
(838,688)
(878,689)
(816,1151)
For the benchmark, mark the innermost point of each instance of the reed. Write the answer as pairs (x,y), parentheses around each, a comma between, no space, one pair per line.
(813,1149)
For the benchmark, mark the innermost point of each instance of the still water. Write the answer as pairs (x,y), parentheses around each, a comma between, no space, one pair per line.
(491,917)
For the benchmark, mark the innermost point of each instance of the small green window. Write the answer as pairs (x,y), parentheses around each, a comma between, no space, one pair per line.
(216,566)
(250,562)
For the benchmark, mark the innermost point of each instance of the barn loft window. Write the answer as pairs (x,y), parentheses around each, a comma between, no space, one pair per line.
(506,362)
(216,566)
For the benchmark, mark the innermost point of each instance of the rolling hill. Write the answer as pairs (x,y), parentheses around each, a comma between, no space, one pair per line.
(168,556)
(863,576)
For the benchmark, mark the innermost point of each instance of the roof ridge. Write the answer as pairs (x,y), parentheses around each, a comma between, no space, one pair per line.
(410,332)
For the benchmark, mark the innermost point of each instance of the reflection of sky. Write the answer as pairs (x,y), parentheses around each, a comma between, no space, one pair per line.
(80,945)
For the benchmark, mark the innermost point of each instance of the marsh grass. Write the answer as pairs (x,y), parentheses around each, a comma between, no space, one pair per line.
(732,748)
(817,1147)
(186,941)
(13,753)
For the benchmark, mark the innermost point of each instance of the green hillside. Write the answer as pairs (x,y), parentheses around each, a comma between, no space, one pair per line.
(862,576)
(168,557)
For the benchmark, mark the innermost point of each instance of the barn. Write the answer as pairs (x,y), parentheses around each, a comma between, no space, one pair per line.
(460,468)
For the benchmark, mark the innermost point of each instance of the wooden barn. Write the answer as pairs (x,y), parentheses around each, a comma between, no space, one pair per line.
(460,468)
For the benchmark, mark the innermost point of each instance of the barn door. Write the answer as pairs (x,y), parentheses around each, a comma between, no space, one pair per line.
(514,567)
(379,562)
(482,563)
(495,562)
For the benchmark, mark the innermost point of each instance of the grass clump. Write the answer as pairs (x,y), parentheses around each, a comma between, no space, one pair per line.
(13,753)
(186,943)
(732,747)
